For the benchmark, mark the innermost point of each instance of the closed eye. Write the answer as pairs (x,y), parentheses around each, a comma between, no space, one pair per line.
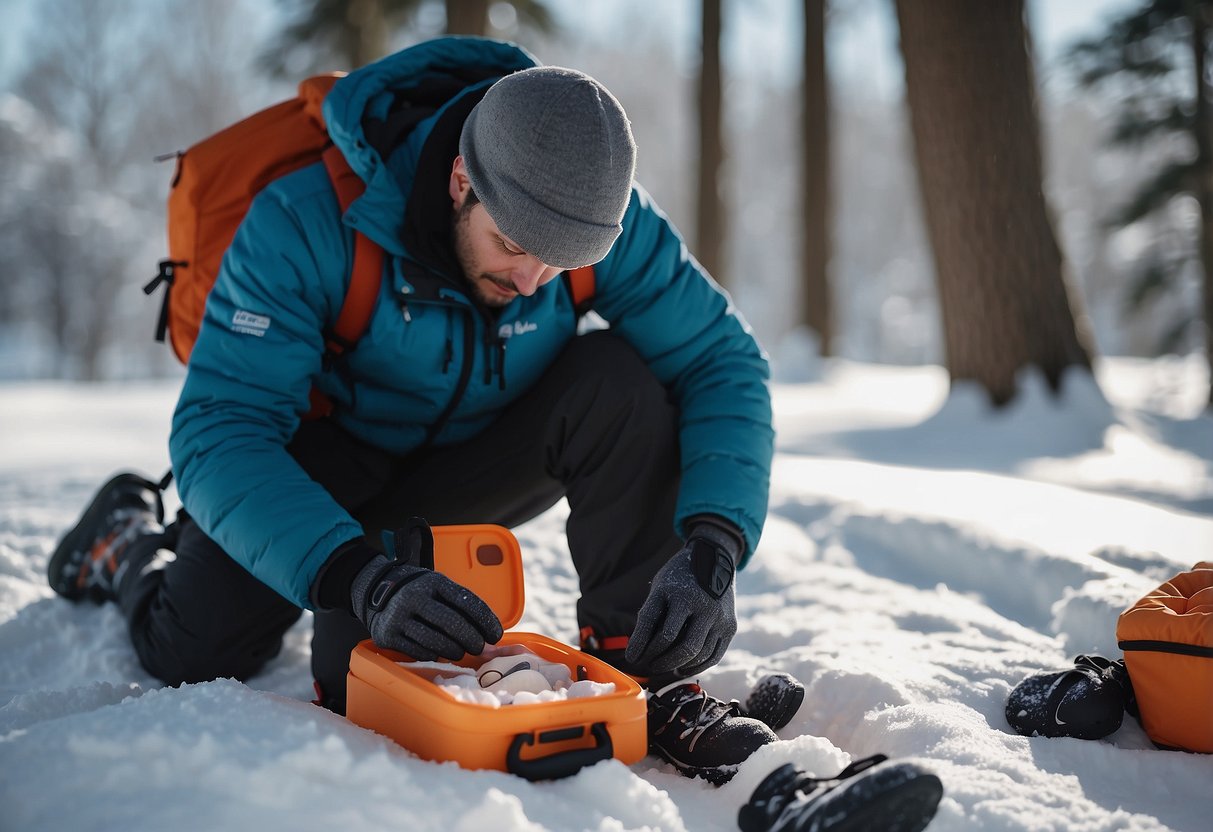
(508,250)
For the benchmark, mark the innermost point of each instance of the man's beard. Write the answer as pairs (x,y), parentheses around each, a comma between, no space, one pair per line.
(472,275)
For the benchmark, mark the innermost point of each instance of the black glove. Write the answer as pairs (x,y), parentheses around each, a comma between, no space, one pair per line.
(409,607)
(690,616)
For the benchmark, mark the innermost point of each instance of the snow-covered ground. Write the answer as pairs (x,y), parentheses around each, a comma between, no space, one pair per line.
(921,557)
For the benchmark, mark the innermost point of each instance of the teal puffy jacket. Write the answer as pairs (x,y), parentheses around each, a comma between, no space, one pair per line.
(283,282)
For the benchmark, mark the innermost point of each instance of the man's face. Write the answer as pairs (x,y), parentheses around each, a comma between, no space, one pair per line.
(497,269)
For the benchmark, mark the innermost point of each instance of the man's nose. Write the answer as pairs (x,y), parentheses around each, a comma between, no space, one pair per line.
(528,277)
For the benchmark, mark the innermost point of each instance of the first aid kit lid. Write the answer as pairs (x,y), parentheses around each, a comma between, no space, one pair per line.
(487,560)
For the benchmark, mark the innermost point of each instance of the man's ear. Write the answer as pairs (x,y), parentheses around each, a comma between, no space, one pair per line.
(460,184)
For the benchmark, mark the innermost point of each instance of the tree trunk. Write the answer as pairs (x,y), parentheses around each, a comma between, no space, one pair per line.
(816,299)
(999,269)
(467,17)
(1204,187)
(710,220)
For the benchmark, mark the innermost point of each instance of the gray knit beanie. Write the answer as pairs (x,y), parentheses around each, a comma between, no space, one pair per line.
(550,154)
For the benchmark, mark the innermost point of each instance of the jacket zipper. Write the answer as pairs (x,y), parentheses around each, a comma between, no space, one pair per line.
(469,347)
(494,356)
(501,345)
(465,374)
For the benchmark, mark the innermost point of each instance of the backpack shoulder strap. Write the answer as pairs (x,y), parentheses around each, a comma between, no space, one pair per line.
(581,285)
(365,278)
(368,262)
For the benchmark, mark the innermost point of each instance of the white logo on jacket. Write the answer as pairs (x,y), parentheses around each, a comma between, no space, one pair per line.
(517,328)
(248,323)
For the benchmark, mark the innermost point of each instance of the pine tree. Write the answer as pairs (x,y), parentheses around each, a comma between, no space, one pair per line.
(1154,60)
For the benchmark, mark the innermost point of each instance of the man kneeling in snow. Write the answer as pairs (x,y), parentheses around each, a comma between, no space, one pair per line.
(486,177)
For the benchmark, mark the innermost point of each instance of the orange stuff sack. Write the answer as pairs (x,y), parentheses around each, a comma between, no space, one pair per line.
(1167,639)
(215,182)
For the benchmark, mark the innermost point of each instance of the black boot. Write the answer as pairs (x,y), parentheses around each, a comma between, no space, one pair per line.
(700,735)
(121,530)
(1086,702)
(900,797)
(775,700)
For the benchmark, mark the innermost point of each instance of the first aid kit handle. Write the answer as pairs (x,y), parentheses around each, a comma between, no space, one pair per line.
(563,763)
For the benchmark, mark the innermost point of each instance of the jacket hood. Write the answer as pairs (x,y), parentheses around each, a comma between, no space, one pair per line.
(371,91)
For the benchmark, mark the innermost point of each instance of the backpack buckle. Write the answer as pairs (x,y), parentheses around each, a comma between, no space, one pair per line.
(168,271)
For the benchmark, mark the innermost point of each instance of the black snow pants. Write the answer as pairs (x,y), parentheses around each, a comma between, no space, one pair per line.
(597,428)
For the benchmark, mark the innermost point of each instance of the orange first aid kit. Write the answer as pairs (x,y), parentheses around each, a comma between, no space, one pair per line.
(1167,639)
(538,741)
